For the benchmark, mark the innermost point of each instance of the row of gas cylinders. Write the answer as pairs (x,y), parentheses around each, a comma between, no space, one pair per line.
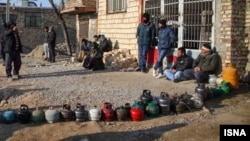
(136,112)
(146,105)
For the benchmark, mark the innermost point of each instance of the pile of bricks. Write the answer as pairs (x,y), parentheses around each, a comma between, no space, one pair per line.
(120,59)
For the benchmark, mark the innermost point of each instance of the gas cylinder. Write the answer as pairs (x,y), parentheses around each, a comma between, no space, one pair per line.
(107,112)
(230,75)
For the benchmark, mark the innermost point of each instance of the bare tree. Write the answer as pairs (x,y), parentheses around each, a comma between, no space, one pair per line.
(63,25)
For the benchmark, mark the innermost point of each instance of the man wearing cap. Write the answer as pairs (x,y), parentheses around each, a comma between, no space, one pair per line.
(145,36)
(166,38)
(12,49)
(203,65)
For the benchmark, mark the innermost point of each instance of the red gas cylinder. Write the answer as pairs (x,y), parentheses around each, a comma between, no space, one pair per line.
(107,112)
(136,114)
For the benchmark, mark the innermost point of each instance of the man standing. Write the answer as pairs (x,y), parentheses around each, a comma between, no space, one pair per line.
(45,44)
(205,64)
(52,44)
(2,42)
(183,62)
(13,50)
(166,38)
(145,36)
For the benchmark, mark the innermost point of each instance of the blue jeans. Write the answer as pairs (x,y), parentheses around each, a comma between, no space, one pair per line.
(143,50)
(170,75)
(200,77)
(161,54)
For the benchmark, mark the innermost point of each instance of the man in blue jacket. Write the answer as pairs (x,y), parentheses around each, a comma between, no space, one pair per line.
(145,36)
(166,38)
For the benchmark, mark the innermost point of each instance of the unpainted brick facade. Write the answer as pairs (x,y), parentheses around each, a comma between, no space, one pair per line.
(78,3)
(86,21)
(120,27)
(232,30)
(33,36)
(235,35)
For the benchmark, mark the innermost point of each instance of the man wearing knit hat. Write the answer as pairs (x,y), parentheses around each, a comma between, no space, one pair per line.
(166,38)
(205,64)
(145,36)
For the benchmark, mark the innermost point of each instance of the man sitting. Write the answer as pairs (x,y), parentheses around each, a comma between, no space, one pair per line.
(183,62)
(94,60)
(204,64)
(85,48)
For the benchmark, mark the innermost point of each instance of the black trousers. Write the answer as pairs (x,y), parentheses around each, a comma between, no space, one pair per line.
(52,54)
(15,58)
(2,53)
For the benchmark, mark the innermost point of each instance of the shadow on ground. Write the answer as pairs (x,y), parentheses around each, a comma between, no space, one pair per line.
(137,135)
(64,73)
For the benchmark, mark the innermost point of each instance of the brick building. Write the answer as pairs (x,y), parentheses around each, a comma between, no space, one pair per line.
(223,23)
(30,22)
(85,13)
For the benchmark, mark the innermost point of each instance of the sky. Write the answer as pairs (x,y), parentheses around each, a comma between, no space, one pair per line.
(45,3)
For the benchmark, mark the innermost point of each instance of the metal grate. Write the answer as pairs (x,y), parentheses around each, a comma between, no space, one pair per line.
(190,19)
(197,22)
(171,14)
(153,7)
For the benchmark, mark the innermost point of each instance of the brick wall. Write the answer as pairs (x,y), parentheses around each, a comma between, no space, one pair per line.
(247,41)
(120,27)
(78,3)
(72,3)
(32,36)
(233,19)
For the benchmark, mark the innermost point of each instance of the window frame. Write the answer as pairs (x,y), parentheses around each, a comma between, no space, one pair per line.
(13,17)
(33,19)
(120,7)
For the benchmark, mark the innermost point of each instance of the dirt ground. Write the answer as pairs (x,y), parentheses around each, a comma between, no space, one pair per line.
(190,126)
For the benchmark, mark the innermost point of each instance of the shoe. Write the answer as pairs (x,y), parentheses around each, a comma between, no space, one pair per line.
(45,59)
(144,70)
(176,80)
(167,78)
(15,77)
(160,75)
(3,64)
(138,69)
(154,73)
(9,79)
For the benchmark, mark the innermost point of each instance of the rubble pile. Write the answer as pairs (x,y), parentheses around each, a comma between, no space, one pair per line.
(37,52)
(120,59)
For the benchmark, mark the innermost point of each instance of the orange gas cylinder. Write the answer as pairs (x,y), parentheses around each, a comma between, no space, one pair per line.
(230,75)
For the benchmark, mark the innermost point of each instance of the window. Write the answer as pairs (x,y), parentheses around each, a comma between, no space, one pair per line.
(3,18)
(33,20)
(115,6)
(191,19)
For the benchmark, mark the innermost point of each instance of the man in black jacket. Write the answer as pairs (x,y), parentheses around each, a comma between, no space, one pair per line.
(12,50)
(182,63)
(2,54)
(52,44)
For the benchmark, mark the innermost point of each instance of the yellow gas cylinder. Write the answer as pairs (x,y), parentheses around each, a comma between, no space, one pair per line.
(230,75)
